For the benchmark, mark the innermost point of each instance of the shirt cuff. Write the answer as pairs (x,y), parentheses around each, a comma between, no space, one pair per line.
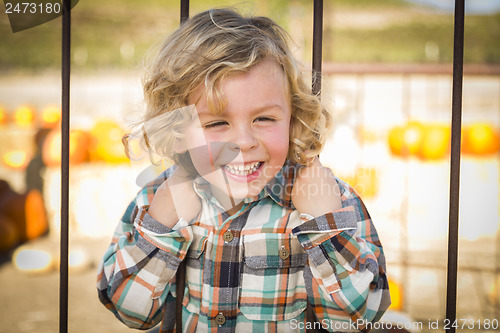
(315,231)
(174,240)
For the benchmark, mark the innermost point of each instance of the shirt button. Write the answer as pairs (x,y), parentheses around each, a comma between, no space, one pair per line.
(228,236)
(220,319)
(284,253)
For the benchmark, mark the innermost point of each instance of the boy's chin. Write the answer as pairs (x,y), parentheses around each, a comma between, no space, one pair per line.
(240,195)
(237,193)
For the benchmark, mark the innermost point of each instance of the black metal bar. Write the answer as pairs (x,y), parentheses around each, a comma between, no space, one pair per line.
(180,281)
(184,10)
(317,55)
(65,77)
(180,276)
(456,126)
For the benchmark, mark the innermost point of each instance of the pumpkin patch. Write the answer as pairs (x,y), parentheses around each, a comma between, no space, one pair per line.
(480,139)
(15,159)
(51,115)
(4,116)
(435,142)
(396,292)
(24,116)
(36,216)
(78,148)
(25,212)
(432,141)
(106,142)
(406,140)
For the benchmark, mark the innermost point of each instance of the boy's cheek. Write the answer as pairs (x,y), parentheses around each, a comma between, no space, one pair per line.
(280,150)
(279,139)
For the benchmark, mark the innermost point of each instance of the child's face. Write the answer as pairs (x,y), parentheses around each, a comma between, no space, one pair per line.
(255,125)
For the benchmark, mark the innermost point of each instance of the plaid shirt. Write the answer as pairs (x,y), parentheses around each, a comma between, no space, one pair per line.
(253,271)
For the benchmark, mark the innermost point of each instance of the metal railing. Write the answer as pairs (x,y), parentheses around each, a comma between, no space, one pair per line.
(65,70)
(456,125)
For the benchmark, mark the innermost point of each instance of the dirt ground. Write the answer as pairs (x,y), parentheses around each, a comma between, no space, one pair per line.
(30,303)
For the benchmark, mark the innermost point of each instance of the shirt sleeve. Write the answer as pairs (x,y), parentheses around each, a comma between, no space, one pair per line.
(137,273)
(347,263)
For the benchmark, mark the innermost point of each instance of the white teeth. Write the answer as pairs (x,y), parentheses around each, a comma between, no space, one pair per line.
(243,170)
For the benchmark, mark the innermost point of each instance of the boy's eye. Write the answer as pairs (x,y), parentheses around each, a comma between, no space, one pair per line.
(265,119)
(215,124)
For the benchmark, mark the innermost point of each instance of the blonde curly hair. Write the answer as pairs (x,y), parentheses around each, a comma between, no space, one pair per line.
(206,49)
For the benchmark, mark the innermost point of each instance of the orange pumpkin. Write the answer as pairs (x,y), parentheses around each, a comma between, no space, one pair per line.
(24,116)
(15,159)
(396,291)
(480,139)
(413,137)
(26,211)
(4,116)
(78,148)
(106,142)
(51,115)
(36,215)
(395,139)
(435,143)
(405,140)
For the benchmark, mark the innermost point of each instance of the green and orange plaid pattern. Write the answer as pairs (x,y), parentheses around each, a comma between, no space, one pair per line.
(260,280)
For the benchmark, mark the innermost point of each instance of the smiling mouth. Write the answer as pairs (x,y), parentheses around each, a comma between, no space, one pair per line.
(243,170)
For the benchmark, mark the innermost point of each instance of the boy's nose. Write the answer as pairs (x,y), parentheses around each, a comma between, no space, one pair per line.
(245,138)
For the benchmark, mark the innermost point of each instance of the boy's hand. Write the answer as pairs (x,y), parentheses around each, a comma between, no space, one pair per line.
(175,198)
(316,191)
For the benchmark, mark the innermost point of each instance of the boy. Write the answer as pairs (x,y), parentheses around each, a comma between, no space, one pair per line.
(262,226)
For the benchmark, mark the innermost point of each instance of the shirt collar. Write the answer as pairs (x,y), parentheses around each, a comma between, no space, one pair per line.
(279,189)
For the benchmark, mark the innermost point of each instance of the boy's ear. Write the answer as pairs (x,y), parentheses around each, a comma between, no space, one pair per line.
(179,146)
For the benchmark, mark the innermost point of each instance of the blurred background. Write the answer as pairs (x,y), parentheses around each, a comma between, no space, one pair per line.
(387,79)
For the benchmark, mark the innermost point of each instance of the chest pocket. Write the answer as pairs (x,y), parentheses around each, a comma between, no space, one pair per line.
(272,286)
(194,269)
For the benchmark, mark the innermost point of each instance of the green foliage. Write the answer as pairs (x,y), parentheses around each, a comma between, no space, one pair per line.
(396,43)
